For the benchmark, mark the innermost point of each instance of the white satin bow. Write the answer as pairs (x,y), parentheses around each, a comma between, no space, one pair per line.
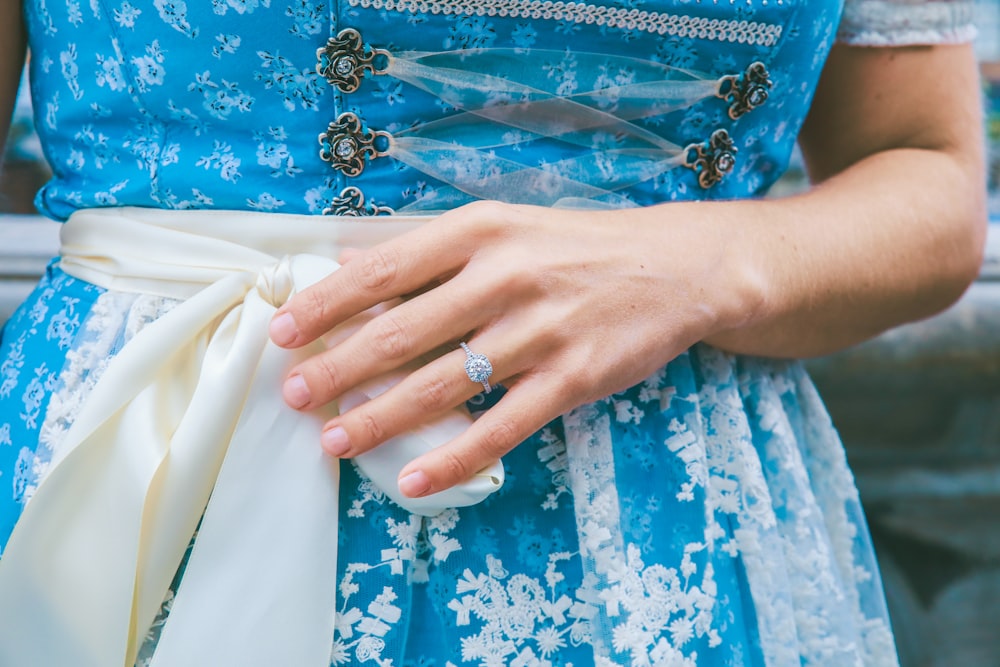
(187,421)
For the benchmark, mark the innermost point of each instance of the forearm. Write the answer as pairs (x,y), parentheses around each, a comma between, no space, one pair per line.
(896,237)
(894,230)
(12,48)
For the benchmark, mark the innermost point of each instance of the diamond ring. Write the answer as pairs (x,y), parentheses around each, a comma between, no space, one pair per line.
(478,368)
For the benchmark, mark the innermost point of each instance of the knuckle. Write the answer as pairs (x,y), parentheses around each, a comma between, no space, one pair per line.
(489,217)
(328,374)
(455,466)
(372,430)
(499,438)
(378,269)
(432,394)
(551,336)
(524,281)
(389,338)
(487,208)
(313,305)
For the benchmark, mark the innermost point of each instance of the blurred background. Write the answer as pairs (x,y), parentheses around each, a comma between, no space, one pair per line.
(918,408)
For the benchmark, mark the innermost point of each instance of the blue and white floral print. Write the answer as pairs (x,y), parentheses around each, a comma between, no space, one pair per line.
(703,518)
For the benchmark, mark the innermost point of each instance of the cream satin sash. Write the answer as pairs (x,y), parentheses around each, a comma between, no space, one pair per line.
(188,422)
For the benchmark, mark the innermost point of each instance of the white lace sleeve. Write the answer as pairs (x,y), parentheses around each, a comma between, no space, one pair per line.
(904,22)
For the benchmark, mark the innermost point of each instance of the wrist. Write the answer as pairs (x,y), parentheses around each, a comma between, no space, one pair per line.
(747,289)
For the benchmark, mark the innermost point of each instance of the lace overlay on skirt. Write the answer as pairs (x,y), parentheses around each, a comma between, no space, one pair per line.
(757,445)
(713,493)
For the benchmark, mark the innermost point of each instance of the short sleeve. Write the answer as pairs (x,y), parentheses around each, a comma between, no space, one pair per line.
(907,22)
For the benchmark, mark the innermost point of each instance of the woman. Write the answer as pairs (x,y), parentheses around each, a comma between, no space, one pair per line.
(578,223)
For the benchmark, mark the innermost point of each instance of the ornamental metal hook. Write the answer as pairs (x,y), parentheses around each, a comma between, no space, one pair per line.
(344,60)
(351,203)
(747,91)
(346,145)
(712,159)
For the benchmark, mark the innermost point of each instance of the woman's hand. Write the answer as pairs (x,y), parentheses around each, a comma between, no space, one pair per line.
(569,306)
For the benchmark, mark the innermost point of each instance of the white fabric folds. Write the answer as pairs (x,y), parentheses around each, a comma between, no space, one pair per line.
(188,422)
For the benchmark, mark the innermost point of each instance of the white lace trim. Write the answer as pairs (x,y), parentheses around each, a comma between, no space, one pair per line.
(906,22)
(735,486)
(781,477)
(832,586)
(113,320)
(838,497)
(595,495)
(675,25)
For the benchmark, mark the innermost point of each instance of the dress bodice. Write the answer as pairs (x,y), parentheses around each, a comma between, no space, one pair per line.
(425,104)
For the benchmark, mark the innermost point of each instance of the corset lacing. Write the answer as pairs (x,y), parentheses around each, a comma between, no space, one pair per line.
(585,106)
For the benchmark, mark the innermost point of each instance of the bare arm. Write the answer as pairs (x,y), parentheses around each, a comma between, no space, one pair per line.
(894,231)
(12,48)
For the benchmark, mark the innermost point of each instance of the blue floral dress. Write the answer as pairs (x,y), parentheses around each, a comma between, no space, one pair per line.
(703,517)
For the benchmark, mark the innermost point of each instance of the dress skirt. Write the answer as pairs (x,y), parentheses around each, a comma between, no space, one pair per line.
(705,517)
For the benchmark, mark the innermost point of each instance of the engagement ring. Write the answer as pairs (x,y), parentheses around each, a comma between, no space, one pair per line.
(478,367)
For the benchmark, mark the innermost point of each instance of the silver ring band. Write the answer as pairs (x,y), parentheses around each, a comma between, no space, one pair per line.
(478,368)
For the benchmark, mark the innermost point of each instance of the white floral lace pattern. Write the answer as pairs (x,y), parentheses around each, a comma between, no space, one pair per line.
(907,22)
(114,319)
(756,444)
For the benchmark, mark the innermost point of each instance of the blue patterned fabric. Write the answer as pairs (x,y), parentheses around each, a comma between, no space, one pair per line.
(135,103)
(703,517)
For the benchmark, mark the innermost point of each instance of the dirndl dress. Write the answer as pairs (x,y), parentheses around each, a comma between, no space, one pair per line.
(704,517)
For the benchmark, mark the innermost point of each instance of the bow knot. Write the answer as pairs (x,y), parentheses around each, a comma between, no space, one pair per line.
(276,282)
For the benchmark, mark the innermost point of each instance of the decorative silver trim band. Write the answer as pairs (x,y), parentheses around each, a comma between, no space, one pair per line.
(675,25)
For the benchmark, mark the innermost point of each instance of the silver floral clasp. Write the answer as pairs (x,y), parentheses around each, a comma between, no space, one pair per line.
(352,203)
(747,91)
(344,60)
(346,145)
(713,159)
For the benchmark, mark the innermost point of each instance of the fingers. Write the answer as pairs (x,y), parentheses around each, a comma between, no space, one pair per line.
(418,399)
(524,409)
(423,394)
(390,340)
(375,276)
(529,404)
(454,286)
(400,266)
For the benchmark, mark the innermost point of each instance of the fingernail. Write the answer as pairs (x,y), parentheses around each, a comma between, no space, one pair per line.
(335,441)
(296,392)
(415,484)
(283,330)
